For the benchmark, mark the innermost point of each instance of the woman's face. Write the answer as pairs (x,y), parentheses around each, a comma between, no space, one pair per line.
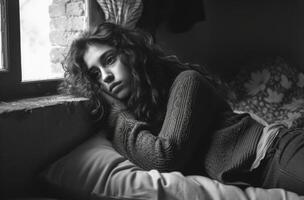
(104,63)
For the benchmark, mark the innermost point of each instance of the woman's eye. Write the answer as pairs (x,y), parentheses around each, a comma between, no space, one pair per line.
(110,60)
(94,73)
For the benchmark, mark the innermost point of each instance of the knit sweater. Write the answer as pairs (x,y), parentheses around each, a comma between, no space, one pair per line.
(200,134)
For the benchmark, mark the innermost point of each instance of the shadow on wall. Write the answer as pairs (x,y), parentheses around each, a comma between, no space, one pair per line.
(237,32)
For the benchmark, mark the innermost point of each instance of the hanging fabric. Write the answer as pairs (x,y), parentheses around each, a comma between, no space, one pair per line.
(122,12)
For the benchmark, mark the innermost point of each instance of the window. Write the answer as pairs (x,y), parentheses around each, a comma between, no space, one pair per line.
(2,35)
(35,42)
(34,38)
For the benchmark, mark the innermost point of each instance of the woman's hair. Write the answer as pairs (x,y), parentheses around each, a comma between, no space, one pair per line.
(152,71)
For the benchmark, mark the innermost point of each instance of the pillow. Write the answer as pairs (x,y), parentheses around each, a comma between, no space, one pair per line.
(273,91)
(94,170)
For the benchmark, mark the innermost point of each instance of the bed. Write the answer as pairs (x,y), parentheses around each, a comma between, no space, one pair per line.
(94,170)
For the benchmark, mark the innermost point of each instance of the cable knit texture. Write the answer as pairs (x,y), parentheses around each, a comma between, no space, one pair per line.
(200,134)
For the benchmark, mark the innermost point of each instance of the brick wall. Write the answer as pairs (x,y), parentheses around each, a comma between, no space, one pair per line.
(67,20)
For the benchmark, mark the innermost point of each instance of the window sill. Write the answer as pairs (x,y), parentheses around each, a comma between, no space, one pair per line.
(38,102)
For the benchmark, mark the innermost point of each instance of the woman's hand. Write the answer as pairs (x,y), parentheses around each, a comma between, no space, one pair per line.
(115,106)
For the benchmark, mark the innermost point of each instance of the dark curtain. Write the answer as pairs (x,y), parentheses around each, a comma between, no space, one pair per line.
(178,15)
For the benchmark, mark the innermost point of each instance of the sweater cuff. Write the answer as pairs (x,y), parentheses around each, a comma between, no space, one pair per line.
(117,115)
(125,114)
(123,126)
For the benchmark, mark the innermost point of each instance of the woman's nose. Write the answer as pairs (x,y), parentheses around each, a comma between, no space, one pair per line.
(107,76)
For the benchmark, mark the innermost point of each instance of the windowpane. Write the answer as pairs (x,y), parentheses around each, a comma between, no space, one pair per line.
(35,42)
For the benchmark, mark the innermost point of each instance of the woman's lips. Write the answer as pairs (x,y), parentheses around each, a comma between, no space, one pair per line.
(114,87)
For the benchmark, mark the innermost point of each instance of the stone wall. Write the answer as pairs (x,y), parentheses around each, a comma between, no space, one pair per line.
(67,20)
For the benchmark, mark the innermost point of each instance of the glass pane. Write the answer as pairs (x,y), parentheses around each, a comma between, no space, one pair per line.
(35,42)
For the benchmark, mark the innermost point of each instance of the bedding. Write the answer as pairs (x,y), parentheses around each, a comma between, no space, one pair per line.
(94,170)
(273,90)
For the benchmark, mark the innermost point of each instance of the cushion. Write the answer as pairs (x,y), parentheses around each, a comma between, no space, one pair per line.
(94,170)
(272,90)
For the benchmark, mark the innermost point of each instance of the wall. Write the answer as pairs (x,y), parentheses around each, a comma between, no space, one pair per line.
(233,33)
(34,136)
(67,20)
(236,31)
(300,34)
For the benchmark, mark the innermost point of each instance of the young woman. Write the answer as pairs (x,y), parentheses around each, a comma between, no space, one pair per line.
(166,115)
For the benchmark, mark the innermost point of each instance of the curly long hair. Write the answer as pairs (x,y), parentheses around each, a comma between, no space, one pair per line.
(152,71)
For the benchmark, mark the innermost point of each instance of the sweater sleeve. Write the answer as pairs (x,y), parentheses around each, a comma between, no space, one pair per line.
(190,111)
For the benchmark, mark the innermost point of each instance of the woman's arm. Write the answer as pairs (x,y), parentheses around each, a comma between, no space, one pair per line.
(191,110)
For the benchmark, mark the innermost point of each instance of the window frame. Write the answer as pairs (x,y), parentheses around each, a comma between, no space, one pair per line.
(3,35)
(11,84)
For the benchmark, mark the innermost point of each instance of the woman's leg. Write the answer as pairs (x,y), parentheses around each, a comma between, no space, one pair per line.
(285,166)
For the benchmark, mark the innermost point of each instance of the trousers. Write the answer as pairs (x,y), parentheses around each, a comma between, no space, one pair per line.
(283,165)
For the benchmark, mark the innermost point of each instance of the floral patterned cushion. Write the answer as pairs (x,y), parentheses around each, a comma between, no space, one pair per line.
(273,91)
